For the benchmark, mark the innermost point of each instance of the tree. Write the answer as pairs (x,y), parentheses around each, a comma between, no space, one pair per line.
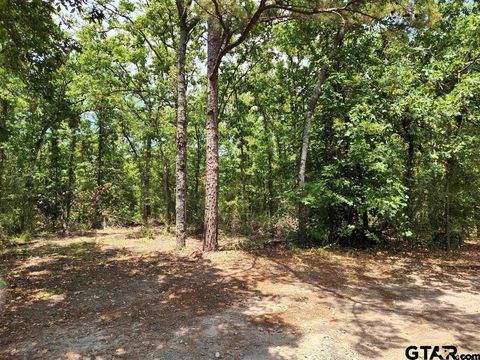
(221,30)
(185,26)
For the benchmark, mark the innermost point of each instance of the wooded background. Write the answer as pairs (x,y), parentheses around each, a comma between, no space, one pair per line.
(350,122)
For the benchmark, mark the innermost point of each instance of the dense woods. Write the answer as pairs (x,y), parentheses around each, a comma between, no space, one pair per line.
(350,122)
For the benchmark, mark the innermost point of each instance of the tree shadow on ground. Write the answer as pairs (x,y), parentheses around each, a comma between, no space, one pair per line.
(84,302)
(378,293)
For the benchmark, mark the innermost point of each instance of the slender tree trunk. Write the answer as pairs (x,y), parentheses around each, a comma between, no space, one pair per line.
(210,241)
(3,139)
(181,156)
(447,203)
(268,141)
(97,215)
(409,164)
(167,193)
(196,189)
(55,176)
(270,191)
(450,168)
(26,216)
(244,210)
(366,227)
(71,175)
(146,180)
(307,126)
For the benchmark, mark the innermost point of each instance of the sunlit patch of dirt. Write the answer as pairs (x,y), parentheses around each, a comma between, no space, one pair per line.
(127,293)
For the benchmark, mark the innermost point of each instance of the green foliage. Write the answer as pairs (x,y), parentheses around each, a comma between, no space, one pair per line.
(87,123)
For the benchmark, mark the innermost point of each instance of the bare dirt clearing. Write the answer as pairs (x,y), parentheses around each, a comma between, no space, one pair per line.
(115,294)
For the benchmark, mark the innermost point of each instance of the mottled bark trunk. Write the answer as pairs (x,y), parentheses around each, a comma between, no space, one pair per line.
(146,211)
(307,126)
(210,241)
(181,156)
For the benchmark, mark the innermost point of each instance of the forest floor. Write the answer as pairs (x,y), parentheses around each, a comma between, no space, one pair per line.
(117,294)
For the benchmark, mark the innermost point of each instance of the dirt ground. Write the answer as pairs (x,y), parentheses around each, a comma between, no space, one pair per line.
(116,294)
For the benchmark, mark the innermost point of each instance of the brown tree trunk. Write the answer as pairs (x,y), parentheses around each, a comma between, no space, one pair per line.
(181,156)
(268,141)
(210,241)
(409,164)
(307,126)
(26,216)
(168,193)
(71,174)
(450,167)
(146,180)
(3,139)
(97,214)
(196,189)
(55,171)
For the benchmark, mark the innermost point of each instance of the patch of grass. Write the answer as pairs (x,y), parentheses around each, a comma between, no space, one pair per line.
(245,243)
(3,283)
(22,238)
(45,295)
(145,232)
(324,251)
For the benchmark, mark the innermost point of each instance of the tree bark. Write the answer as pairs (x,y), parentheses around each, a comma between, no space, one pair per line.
(3,139)
(97,215)
(146,211)
(307,126)
(409,165)
(181,136)
(26,216)
(55,172)
(167,193)
(71,174)
(196,189)
(210,241)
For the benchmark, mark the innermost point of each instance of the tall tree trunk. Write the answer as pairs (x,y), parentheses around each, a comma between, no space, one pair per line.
(196,188)
(365,225)
(307,126)
(55,176)
(167,198)
(181,156)
(210,241)
(269,143)
(71,173)
(450,167)
(245,210)
(3,139)
(166,193)
(97,215)
(26,216)
(146,211)
(409,164)
(270,191)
